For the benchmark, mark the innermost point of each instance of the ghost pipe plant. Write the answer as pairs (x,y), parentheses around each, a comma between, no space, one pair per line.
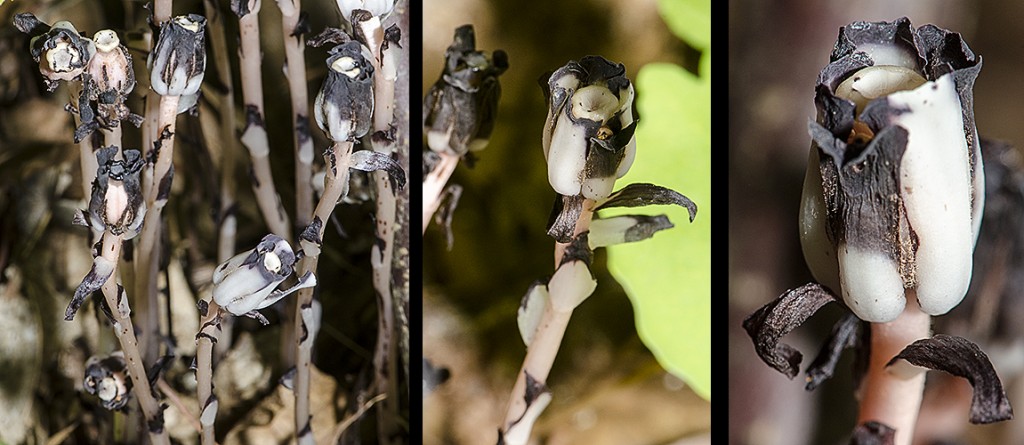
(890,212)
(458,115)
(588,142)
(344,111)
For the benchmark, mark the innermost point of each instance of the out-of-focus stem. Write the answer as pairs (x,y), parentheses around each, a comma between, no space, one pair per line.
(892,395)
(336,182)
(125,332)
(255,135)
(161,12)
(433,185)
(543,349)
(295,71)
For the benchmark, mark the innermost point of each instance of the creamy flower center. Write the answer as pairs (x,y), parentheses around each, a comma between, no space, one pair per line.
(346,66)
(62,57)
(272,262)
(187,23)
(106,40)
(594,102)
(876,81)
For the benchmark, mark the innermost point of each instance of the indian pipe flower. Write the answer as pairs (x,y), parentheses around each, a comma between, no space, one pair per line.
(61,52)
(379,8)
(894,188)
(107,378)
(588,136)
(460,108)
(116,203)
(111,77)
(344,106)
(248,282)
(178,61)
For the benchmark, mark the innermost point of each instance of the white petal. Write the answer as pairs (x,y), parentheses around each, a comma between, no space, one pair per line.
(627,160)
(609,231)
(877,81)
(566,158)
(888,54)
(531,311)
(819,253)
(936,186)
(598,188)
(871,282)
(243,290)
(571,284)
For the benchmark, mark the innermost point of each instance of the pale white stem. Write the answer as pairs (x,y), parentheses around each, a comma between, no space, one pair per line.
(335,184)
(433,185)
(161,11)
(125,332)
(255,136)
(892,395)
(295,71)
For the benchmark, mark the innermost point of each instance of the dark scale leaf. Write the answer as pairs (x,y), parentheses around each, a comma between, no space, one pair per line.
(29,24)
(579,250)
(564,214)
(873,433)
(368,161)
(449,201)
(328,35)
(844,335)
(640,195)
(98,274)
(962,358)
(774,320)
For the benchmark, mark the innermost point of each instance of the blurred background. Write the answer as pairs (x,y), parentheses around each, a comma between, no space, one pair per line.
(775,53)
(608,388)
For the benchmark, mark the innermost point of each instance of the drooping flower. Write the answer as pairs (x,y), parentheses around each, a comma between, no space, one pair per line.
(894,185)
(107,378)
(248,282)
(588,136)
(460,108)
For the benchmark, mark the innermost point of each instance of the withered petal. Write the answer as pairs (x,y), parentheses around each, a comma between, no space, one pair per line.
(844,335)
(449,201)
(774,320)
(873,433)
(962,358)
(369,161)
(643,194)
(564,214)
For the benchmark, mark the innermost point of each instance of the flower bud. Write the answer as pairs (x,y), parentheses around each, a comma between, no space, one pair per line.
(588,136)
(107,378)
(894,185)
(178,60)
(61,52)
(248,282)
(460,108)
(344,106)
(111,76)
(116,203)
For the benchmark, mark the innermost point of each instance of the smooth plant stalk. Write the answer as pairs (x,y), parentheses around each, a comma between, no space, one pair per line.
(547,339)
(336,182)
(161,11)
(125,332)
(892,395)
(255,135)
(295,71)
(433,185)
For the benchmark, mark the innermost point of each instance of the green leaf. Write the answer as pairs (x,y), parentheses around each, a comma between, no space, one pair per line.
(689,19)
(668,278)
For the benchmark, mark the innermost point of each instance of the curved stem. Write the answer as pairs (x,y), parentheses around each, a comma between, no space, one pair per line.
(892,395)
(433,185)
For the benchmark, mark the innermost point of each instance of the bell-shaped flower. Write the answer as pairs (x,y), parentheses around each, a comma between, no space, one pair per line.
(111,77)
(379,8)
(178,61)
(460,108)
(344,106)
(107,378)
(588,136)
(894,185)
(62,54)
(116,203)
(248,282)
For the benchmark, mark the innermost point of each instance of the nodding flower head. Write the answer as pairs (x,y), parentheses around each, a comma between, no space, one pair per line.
(460,108)
(588,136)
(344,106)
(894,188)
(248,282)
(107,378)
(61,52)
(178,61)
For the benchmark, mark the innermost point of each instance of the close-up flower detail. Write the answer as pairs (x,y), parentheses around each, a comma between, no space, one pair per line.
(894,184)
(61,52)
(460,109)
(588,135)
(378,8)
(107,379)
(248,282)
(111,79)
(178,62)
(116,203)
(344,106)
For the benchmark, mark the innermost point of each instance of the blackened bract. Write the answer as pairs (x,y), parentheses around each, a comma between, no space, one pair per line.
(178,61)
(116,203)
(460,109)
(61,52)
